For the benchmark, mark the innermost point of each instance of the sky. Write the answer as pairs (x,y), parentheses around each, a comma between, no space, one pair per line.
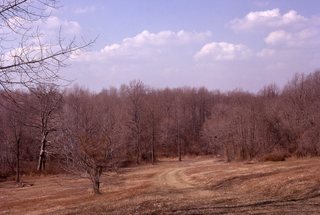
(218,44)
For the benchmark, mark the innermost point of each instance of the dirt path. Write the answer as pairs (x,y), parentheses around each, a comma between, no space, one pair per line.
(193,186)
(174,177)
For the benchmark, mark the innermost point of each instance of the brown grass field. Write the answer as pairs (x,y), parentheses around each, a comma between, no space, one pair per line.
(193,186)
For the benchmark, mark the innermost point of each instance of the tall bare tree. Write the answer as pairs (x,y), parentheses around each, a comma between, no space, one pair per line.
(45,104)
(113,130)
(135,94)
(90,142)
(154,114)
(15,119)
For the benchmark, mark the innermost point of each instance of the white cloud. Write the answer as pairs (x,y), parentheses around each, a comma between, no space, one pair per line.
(266,53)
(53,23)
(164,37)
(307,33)
(174,59)
(83,10)
(277,37)
(147,44)
(267,18)
(304,37)
(291,17)
(159,59)
(222,51)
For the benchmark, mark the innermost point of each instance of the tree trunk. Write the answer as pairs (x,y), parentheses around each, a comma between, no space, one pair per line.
(42,156)
(95,178)
(96,187)
(179,142)
(18,161)
(179,149)
(153,142)
(138,149)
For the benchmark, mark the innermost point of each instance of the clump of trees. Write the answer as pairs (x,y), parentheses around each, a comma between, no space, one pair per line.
(30,62)
(268,124)
(88,133)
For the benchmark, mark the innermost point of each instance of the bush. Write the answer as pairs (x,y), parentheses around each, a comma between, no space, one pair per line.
(276,156)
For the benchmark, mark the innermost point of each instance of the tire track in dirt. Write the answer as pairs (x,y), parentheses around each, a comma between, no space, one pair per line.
(178,176)
(174,178)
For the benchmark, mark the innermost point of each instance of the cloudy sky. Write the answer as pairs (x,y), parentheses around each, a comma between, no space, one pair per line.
(219,44)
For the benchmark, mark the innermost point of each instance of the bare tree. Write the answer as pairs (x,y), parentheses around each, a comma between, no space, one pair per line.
(135,94)
(97,132)
(27,58)
(83,150)
(85,146)
(15,124)
(154,115)
(166,136)
(15,129)
(14,134)
(178,118)
(113,129)
(45,104)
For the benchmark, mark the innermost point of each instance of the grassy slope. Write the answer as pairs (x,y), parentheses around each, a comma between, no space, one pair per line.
(193,186)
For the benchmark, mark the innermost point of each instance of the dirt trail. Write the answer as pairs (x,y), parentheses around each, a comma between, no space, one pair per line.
(174,177)
(193,186)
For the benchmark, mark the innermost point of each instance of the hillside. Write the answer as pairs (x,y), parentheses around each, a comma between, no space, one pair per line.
(193,186)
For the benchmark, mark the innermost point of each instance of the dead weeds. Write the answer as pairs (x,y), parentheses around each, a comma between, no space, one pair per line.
(193,186)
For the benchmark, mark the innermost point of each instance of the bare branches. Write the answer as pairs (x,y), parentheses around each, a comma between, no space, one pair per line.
(90,133)
(27,58)
(17,15)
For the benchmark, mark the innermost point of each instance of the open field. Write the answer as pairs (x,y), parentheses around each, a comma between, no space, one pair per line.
(193,186)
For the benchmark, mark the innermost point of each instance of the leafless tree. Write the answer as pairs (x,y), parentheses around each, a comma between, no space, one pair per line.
(113,134)
(16,126)
(135,94)
(91,139)
(154,114)
(27,58)
(45,105)
(166,137)
(95,132)
(82,149)
(179,117)
(15,129)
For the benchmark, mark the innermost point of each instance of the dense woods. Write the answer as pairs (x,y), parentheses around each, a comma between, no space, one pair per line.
(47,129)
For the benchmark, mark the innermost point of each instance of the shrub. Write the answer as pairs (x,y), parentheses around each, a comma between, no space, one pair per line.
(276,156)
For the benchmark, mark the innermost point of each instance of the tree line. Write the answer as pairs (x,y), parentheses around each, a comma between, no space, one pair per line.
(49,129)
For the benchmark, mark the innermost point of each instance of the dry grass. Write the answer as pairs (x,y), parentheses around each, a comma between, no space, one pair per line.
(193,186)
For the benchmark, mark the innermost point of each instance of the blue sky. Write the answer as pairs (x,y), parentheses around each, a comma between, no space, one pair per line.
(217,44)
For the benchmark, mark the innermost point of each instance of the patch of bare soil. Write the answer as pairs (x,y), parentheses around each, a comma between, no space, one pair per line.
(193,186)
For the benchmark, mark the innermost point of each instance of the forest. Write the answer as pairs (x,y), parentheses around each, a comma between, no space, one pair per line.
(49,130)
(139,149)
